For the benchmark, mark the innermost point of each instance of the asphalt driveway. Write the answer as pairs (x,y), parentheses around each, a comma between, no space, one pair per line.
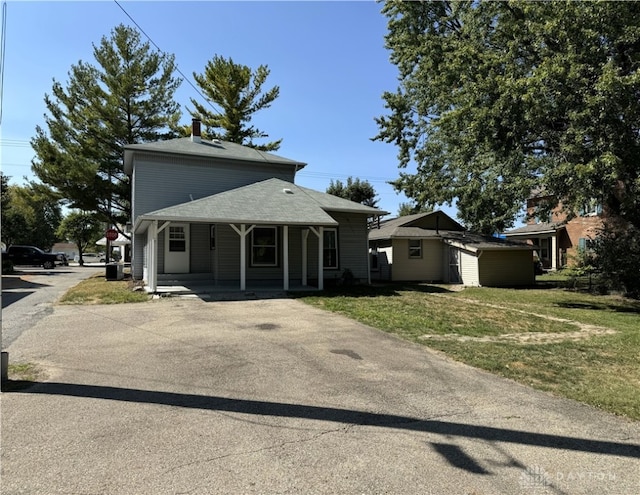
(273,396)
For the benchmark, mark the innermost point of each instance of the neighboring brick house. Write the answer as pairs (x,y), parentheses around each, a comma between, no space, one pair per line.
(557,238)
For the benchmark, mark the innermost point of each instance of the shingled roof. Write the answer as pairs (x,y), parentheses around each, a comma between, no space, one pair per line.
(270,202)
(217,149)
(421,226)
(535,228)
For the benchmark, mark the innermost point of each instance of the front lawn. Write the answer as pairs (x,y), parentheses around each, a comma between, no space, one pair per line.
(578,345)
(99,290)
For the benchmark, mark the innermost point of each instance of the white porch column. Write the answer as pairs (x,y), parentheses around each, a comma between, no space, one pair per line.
(305,236)
(285,255)
(321,258)
(368,259)
(554,252)
(242,232)
(152,257)
(153,260)
(320,234)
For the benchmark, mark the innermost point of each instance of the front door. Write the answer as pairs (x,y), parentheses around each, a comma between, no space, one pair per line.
(454,265)
(176,248)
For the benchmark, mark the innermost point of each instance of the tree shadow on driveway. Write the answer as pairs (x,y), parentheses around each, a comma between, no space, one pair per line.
(338,415)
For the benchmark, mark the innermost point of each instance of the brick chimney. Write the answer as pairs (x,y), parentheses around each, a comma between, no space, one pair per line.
(196,137)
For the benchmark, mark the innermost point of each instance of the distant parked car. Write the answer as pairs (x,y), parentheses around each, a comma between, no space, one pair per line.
(90,258)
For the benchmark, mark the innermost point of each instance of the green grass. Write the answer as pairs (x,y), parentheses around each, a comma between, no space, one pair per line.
(98,290)
(516,334)
(21,376)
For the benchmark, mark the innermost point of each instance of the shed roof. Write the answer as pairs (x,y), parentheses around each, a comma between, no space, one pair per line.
(270,202)
(477,242)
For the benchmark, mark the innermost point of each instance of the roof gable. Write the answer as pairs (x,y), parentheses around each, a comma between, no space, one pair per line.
(417,225)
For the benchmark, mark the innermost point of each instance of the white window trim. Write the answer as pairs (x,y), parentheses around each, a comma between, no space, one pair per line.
(253,245)
(413,248)
(181,238)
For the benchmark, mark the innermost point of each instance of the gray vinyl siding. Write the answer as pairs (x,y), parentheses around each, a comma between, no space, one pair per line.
(166,181)
(137,256)
(506,268)
(352,250)
(228,254)
(160,255)
(201,256)
(353,247)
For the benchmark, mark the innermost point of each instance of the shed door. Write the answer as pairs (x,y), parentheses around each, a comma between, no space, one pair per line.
(454,265)
(176,248)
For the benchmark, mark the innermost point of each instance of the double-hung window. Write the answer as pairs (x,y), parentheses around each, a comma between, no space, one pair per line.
(264,246)
(415,248)
(330,244)
(177,239)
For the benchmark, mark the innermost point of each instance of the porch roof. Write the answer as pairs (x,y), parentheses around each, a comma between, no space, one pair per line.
(535,228)
(269,202)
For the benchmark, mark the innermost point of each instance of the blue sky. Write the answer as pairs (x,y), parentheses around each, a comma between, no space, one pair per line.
(328,58)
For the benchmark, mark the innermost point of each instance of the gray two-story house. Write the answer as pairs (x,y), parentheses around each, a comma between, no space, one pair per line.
(232,215)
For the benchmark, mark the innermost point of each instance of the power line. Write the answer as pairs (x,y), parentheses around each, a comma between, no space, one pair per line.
(2,54)
(15,143)
(162,51)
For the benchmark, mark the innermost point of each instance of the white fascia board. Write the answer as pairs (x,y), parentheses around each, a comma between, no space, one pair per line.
(247,221)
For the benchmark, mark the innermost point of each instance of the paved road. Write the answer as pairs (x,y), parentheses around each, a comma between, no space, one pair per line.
(28,296)
(275,397)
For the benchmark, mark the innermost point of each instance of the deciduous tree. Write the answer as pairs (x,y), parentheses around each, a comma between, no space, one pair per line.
(81,228)
(30,215)
(359,191)
(496,98)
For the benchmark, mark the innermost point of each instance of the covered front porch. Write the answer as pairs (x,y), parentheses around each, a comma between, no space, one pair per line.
(270,233)
(233,257)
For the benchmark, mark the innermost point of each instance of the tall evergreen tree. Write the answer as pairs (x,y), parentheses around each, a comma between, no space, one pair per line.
(496,98)
(238,91)
(126,98)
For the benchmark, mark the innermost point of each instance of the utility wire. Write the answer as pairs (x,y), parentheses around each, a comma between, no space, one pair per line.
(161,51)
(2,54)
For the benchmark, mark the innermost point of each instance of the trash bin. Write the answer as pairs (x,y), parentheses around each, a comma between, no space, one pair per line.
(114,271)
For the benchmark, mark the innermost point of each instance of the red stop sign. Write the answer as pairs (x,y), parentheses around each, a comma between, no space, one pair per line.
(112,234)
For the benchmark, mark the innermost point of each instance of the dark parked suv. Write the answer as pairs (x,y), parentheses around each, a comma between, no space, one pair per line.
(33,256)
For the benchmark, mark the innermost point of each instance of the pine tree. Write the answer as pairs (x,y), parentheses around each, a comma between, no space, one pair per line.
(238,91)
(126,98)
